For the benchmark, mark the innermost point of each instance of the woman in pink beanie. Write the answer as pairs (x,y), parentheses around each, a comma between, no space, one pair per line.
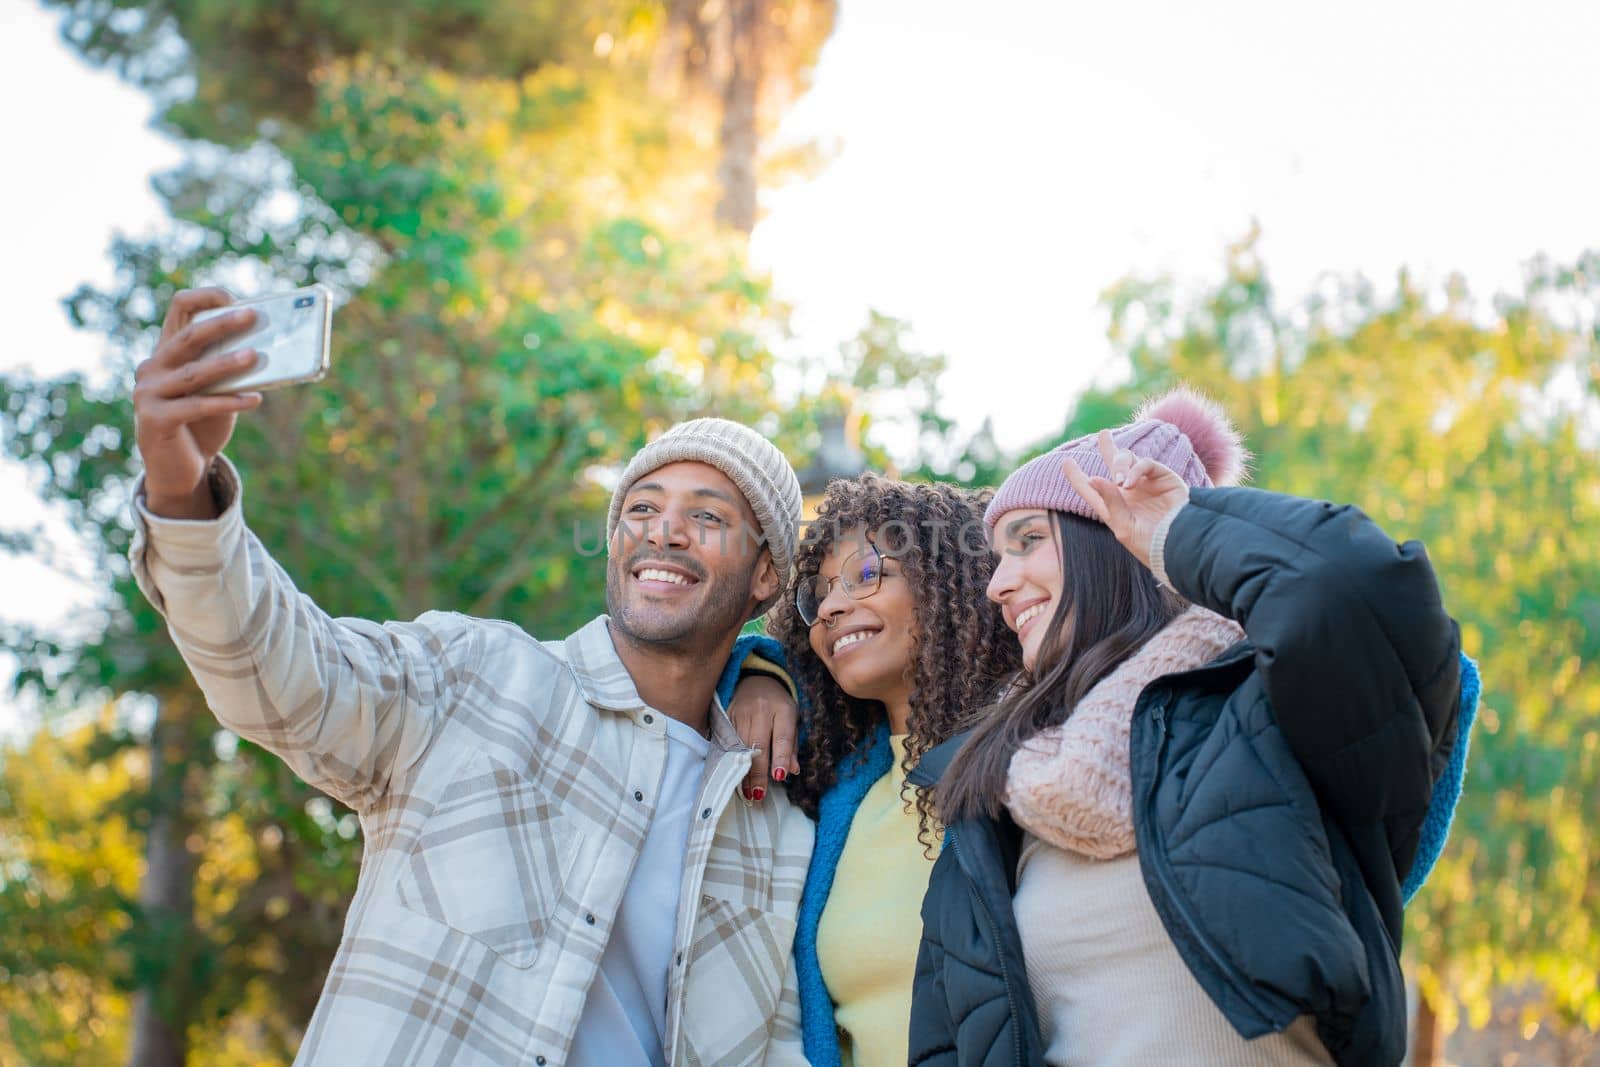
(1187,835)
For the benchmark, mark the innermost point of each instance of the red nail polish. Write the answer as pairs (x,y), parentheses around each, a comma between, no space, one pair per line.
(779,773)
(757,793)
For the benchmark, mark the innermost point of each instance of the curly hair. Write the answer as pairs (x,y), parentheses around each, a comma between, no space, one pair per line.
(962,653)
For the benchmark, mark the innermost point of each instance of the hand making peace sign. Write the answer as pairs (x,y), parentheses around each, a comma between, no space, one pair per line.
(1134,500)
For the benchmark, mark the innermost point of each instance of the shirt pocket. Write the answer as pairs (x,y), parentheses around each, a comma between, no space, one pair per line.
(491,860)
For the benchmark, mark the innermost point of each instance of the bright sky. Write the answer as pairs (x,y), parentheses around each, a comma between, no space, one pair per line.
(1000,165)
(1000,170)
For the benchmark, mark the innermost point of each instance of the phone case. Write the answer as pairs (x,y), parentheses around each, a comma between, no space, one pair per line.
(292,332)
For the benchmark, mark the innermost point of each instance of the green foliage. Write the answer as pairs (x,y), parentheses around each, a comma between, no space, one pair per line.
(1473,429)
(515,203)
(69,870)
(230,73)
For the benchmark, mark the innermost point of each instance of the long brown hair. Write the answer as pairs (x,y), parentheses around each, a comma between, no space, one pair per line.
(1110,605)
(961,650)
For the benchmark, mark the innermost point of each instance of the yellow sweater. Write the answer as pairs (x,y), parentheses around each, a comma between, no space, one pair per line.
(872,924)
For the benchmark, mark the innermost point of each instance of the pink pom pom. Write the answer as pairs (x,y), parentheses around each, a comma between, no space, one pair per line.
(1216,443)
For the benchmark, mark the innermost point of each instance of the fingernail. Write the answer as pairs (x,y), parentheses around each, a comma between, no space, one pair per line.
(757,794)
(779,773)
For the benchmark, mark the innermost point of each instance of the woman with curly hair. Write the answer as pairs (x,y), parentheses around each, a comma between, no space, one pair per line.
(893,644)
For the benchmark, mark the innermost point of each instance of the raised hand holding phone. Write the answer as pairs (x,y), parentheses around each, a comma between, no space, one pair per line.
(290,334)
(179,429)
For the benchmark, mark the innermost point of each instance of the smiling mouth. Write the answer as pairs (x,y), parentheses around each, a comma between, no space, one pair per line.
(850,640)
(660,577)
(1032,613)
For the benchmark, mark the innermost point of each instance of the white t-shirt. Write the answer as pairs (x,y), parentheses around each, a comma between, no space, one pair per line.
(624,1019)
(1095,949)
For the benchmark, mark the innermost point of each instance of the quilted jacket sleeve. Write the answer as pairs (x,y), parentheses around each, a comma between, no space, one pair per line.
(1360,661)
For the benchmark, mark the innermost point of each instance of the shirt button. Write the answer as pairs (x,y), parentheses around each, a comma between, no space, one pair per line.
(638,796)
(706,814)
(648,719)
(680,959)
(539,1060)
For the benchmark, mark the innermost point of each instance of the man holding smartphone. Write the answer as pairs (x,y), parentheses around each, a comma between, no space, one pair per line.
(554,873)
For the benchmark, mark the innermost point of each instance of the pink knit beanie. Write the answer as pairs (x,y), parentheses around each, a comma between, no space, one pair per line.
(1182,430)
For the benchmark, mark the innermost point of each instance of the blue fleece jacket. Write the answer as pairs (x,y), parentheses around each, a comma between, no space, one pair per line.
(760,644)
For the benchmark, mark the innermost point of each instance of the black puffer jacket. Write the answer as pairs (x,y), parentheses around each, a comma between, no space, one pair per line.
(971,1004)
(1278,794)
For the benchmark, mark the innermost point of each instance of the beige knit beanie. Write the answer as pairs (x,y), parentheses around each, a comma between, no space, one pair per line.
(750,461)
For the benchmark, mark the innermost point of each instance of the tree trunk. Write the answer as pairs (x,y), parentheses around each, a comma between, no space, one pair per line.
(736,170)
(1428,1049)
(682,54)
(163,1001)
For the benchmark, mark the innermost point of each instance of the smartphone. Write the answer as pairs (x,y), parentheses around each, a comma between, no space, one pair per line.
(291,333)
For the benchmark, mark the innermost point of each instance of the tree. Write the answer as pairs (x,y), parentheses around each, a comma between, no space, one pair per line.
(721,74)
(749,60)
(888,391)
(537,282)
(70,864)
(1475,429)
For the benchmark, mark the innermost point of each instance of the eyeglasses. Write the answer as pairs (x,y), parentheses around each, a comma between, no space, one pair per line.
(861,575)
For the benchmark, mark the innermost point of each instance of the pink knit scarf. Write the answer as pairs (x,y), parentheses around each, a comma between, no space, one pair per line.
(1070,784)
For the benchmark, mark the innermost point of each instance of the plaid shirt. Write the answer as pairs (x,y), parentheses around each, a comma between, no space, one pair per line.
(504,787)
